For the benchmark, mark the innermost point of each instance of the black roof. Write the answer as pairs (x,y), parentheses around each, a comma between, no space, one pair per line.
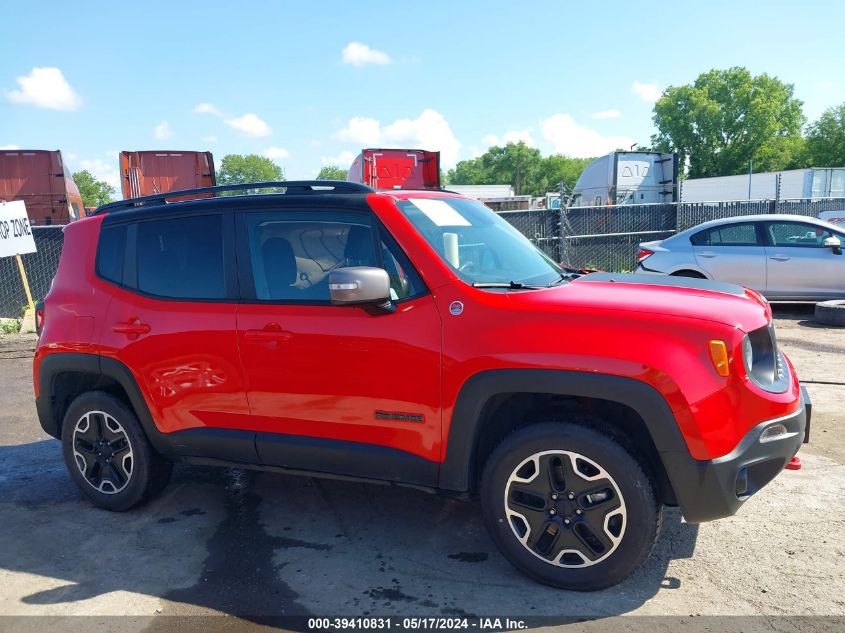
(290,187)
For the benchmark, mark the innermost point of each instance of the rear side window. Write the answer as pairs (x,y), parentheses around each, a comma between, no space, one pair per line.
(110,251)
(182,258)
(728,235)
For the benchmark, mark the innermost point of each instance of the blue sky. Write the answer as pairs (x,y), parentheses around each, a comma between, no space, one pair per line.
(310,84)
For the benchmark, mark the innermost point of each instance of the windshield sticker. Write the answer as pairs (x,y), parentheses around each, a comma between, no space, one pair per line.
(440,212)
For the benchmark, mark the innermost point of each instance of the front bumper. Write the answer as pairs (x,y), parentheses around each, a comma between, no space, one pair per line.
(708,490)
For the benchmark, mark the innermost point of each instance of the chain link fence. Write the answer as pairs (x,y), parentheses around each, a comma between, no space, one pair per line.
(604,238)
(40,268)
(607,237)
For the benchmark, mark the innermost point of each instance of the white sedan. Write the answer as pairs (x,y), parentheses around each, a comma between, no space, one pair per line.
(785,257)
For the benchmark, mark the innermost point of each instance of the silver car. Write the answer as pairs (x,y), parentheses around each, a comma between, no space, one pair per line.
(786,257)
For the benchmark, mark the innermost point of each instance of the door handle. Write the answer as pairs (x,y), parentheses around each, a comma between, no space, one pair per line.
(133,328)
(270,332)
(780,258)
(708,254)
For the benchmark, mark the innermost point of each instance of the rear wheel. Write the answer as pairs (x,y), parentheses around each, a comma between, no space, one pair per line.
(569,506)
(108,454)
(688,273)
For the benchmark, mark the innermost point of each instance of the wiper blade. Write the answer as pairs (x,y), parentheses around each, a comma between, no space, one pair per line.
(510,285)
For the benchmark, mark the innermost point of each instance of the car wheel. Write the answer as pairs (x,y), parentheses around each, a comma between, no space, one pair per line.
(108,454)
(831,312)
(569,506)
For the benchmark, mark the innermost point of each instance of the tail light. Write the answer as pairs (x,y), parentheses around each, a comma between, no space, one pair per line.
(39,319)
(643,254)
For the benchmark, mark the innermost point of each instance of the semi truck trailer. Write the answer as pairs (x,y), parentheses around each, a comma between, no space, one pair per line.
(41,180)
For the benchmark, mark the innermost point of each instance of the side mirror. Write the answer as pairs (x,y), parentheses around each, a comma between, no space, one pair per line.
(359,284)
(835,243)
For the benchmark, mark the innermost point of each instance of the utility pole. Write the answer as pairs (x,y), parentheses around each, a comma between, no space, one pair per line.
(750,172)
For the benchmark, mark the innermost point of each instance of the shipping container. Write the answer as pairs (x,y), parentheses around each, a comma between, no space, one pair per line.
(396,169)
(39,178)
(151,172)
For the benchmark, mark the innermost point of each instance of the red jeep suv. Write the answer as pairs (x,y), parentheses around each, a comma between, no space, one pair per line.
(413,338)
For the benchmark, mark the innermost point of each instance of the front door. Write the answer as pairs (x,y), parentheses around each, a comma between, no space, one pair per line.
(799,265)
(350,390)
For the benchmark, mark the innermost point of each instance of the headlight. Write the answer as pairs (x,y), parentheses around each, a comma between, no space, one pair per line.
(764,364)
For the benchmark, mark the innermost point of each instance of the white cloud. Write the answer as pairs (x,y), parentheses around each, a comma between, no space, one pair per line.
(9,147)
(344,160)
(276,153)
(162,131)
(570,138)
(648,92)
(358,54)
(429,130)
(45,88)
(209,139)
(360,130)
(606,114)
(251,125)
(315,142)
(513,136)
(207,108)
(102,170)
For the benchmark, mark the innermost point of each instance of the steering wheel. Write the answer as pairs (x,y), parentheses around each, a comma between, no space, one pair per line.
(469,268)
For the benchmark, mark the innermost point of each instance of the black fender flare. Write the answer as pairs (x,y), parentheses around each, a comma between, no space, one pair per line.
(97,366)
(466,425)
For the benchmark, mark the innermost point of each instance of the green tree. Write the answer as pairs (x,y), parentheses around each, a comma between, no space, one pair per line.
(558,168)
(520,166)
(239,169)
(826,139)
(728,117)
(94,192)
(332,172)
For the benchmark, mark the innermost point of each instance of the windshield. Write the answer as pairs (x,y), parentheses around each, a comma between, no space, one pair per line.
(477,244)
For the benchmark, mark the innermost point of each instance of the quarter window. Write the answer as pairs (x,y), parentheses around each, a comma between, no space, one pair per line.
(727,235)
(110,251)
(182,258)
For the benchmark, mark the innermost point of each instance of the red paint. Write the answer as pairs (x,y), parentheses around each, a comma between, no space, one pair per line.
(41,179)
(162,171)
(324,370)
(397,169)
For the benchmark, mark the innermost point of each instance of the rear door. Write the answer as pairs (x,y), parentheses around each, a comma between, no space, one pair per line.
(733,253)
(799,265)
(351,390)
(172,323)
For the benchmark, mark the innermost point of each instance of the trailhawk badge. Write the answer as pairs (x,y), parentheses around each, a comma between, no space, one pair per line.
(456,307)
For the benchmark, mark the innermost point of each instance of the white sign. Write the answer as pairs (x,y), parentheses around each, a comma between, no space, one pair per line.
(15,232)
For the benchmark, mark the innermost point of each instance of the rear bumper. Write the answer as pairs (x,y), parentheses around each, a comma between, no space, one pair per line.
(708,490)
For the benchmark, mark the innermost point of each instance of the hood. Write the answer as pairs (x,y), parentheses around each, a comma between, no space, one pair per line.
(701,299)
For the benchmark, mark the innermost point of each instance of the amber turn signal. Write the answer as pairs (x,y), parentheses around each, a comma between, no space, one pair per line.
(719,356)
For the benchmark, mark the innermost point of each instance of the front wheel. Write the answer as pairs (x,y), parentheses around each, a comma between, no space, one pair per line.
(569,506)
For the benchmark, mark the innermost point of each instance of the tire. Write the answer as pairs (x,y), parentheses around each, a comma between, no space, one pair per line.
(618,508)
(102,436)
(831,312)
(688,273)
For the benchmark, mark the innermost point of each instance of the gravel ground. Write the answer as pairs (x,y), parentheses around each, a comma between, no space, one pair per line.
(256,545)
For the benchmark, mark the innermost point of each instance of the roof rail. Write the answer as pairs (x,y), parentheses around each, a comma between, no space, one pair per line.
(290,187)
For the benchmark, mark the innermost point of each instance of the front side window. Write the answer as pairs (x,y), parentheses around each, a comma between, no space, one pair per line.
(292,254)
(797,234)
(181,258)
(728,235)
(477,244)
